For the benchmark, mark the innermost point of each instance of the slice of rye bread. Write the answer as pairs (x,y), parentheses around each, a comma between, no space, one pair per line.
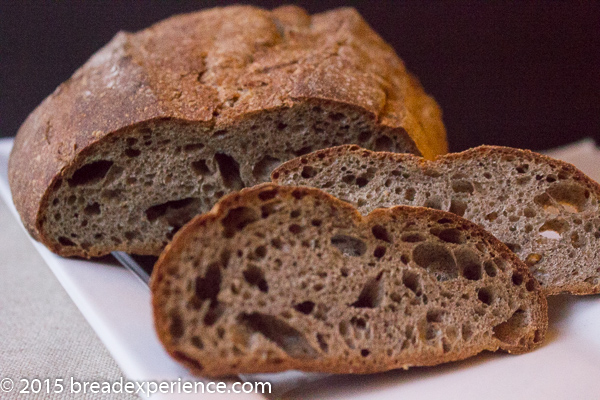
(280,277)
(545,210)
(159,124)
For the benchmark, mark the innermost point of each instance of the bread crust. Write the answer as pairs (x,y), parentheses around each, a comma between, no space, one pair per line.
(213,68)
(480,152)
(183,239)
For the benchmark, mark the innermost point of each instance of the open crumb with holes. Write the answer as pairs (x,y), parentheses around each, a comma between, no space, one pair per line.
(161,123)
(545,210)
(278,277)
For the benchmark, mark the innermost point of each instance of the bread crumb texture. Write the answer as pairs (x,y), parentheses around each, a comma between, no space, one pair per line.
(544,210)
(278,278)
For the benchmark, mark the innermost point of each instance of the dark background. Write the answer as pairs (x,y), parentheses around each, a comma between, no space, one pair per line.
(524,75)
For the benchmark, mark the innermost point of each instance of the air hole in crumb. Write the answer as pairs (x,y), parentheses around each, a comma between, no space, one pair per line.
(410,194)
(305,307)
(189,148)
(492,216)
(362,181)
(349,245)
(412,237)
(92,209)
(365,352)
(183,209)
(349,179)
(316,222)
(532,259)
(485,295)
(90,173)
(412,281)
(263,168)
(176,328)
(284,335)
(208,286)
(132,235)
(571,197)
(514,247)
(322,343)
(469,263)
(490,268)
(450,235)
(529,212)
(577,241)
(512,330)
(267,194)
(554,228)
(435,316)
(358,323)
(197,342)
(372,293)
(260,253)
(132,153)
(517,278)
(379,251)
(434,202)
(381,233)
(436,259)
(295,229)
(308,172)
(255,277)
(458,207)
(230,171)
(237,219)
(298,193)
(521,169)
(336,116)
(65,241)
(462,186)
(200,168)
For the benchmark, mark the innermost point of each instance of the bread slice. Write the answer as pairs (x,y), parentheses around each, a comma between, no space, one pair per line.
(161,123)
(280,277)
(545,210)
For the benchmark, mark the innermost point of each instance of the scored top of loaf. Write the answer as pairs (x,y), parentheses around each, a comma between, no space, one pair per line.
(212,67)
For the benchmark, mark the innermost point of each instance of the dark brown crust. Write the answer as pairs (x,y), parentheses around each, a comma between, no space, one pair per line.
(471,154)
(539,316)
(214,67)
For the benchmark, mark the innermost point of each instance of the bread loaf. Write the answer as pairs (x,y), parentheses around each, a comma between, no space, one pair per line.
(277,278)
(545,210)
(161,123)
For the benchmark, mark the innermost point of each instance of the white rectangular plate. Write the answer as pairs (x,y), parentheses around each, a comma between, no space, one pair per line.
(117,306)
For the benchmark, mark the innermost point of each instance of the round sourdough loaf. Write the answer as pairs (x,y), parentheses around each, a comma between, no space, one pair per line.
(159,124)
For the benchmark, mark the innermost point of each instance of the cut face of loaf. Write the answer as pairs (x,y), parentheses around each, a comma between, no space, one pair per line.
(278,278)
(545,210)
(159,124)
(136,189)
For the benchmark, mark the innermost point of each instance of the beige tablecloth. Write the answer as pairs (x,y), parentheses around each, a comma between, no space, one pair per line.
(42,333)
